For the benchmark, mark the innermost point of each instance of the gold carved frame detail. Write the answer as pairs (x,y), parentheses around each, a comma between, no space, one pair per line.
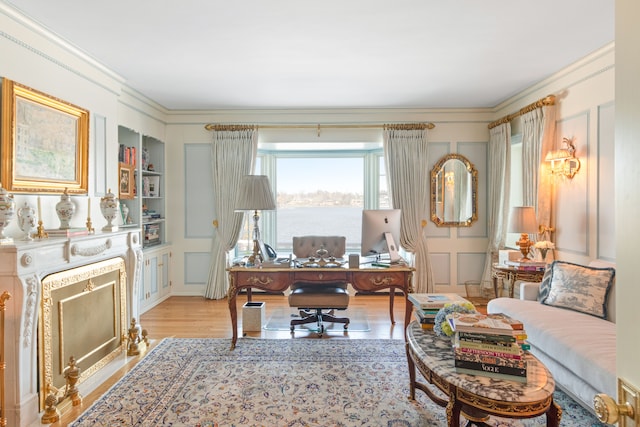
(44,142)
(454,192)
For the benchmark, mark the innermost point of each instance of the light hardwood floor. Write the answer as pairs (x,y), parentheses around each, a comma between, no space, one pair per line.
(197,317)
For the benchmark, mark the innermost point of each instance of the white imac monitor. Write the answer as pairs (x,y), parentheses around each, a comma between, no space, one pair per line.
(381,233)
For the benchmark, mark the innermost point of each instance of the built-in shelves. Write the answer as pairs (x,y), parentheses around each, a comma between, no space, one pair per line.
(146,207)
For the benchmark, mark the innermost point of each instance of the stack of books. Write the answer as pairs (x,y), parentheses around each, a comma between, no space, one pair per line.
(426,306)
(527,265)
(426,317)
(492,345)
(127,155)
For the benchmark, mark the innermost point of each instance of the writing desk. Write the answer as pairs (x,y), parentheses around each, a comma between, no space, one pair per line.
(280,279)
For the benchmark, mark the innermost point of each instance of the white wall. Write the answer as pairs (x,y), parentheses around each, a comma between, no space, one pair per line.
(583,213)
(32,58)
(36,58)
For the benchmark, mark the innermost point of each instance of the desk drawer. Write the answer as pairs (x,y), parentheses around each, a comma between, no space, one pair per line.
(375,280)
(320,276)
(267,280)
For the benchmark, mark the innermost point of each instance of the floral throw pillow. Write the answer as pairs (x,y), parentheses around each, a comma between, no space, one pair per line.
(580,288)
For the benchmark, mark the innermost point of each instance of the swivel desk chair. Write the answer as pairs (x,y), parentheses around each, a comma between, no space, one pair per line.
(313,298)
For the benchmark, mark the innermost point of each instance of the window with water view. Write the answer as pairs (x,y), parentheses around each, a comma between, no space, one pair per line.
(320,193)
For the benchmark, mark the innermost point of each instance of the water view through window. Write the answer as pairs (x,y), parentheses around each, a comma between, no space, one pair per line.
(318,193)
(319,196)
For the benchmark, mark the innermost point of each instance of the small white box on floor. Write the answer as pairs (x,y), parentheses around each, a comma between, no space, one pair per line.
(508,255)
(253,316)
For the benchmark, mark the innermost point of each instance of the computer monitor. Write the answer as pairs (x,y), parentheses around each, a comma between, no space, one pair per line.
(381,233)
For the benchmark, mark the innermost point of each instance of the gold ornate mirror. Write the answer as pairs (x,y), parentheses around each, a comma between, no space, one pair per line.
(454,192)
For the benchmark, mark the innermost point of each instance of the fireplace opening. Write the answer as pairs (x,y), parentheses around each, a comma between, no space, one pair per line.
(82,320)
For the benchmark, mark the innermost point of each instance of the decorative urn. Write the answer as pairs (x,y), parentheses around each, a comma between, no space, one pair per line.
(65,209)
(27,220)
(7,210)
(109,209)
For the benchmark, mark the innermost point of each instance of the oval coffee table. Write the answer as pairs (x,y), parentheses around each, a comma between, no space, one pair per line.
(477,397)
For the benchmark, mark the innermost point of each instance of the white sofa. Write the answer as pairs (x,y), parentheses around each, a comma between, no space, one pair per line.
(579,349)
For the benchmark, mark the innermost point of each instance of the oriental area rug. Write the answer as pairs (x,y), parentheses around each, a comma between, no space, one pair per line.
(285,382)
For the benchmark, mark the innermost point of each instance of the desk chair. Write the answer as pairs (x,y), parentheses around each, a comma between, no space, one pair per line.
(312,298)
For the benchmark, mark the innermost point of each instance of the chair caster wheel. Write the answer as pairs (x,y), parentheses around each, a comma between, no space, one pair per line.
(321,331)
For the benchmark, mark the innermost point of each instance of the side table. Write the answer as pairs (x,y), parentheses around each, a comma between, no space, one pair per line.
(512,274)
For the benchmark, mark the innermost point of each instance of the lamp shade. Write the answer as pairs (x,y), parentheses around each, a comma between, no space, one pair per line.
(523,220)
(255,194)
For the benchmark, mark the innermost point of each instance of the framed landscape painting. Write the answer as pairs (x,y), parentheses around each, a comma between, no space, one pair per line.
(45,142)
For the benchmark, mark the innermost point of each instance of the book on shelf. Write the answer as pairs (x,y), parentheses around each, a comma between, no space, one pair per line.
(127,155)
(497,323)
(431,301)
(490,360)
(500,376)
(69,232)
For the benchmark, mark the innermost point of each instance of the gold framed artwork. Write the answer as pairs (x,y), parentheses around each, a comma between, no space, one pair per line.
(126,178)
(45,142)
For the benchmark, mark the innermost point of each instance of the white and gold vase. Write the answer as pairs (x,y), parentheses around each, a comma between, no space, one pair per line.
(7,211)
(65,210)
(27,220)
(109,209)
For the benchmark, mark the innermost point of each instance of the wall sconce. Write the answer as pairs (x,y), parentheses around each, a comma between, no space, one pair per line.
(543,229)
(563,161)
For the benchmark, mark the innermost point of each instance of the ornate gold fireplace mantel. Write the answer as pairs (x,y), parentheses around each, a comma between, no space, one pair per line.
(23,267)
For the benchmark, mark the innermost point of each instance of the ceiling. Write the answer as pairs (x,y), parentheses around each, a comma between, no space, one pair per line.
(281,54)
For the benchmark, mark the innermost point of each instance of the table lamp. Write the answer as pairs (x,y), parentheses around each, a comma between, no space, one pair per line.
(523,221)
(255,195)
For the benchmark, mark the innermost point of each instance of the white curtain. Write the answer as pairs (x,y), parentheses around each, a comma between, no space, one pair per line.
(538,135)
(545,180)
(405,151)
(499,189)
(233,150)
